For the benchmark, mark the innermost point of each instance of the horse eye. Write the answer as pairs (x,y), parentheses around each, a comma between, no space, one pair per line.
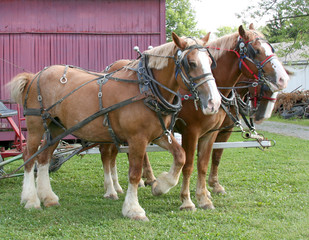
(193,64)
(257,51)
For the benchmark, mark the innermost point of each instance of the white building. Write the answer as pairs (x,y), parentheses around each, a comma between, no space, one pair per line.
(297,64)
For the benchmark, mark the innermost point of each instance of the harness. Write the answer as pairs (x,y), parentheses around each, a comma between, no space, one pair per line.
(159,104)
(245,51)
(149,92)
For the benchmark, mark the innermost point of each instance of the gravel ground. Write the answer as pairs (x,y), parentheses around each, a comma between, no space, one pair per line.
(284,129)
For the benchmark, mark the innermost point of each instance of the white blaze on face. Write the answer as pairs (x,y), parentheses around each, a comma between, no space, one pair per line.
(282,77)
(214,93)
(270,106)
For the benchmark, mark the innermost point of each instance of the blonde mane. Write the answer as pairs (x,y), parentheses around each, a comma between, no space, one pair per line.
(229,42)
(167,49)
(223,43)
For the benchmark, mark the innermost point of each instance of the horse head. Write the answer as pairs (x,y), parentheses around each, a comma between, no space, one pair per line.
(258,59)
(262,100)
(193,72)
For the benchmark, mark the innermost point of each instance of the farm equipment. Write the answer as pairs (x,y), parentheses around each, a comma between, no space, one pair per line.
(15,152)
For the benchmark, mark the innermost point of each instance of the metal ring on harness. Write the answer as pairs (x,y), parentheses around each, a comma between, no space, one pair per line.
(186,97)
(255,84)
(63,80)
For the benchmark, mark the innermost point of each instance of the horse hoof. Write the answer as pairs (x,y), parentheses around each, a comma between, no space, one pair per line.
(149,183)
(141,218)
(51,203)
(31,206)
(111,196)
(210,206)
(141,183)
(155,191)
(120,191)
(218,189)
(188,208)
(221,191)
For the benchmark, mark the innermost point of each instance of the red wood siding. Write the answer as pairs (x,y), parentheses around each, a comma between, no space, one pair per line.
(90,34)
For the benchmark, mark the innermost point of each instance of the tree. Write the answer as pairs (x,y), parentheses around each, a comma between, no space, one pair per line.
(289,22)
(180,18)
(222,31)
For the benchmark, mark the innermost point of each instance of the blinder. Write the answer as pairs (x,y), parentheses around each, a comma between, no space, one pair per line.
(251,51)
(183,68)
(185,62)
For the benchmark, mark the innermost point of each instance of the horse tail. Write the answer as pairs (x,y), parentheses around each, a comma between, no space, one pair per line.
(18,85)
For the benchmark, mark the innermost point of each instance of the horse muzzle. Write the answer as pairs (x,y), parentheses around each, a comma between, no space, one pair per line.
(210,101)
(210,105)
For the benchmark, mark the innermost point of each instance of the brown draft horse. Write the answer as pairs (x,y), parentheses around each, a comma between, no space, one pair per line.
(261,107)
(59,97)
(258,55)
(245,52)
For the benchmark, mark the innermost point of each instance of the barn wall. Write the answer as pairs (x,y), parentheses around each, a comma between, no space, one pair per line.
(90,34)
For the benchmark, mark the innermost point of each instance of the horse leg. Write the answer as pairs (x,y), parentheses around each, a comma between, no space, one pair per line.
(204,151)
(45,192)
(113,165)
(147,171)
(131,207)
(167,180)
(213,179)
(141,182)
(29,194)
(189,142)
(108,155)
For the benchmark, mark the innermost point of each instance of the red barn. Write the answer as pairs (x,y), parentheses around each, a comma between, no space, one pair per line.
(90,34)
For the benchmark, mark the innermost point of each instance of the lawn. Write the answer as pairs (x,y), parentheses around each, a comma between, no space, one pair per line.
(267,198)
(298,121)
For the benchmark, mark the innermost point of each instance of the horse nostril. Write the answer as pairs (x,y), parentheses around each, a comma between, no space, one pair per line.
(282,83)
(211,104)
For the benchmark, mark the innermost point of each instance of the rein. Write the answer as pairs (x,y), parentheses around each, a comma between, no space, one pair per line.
(52,141)
(187,79)
(244,48)
(241,108)
(241,51)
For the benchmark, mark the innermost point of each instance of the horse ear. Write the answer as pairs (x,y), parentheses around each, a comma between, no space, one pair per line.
(181,43)
(290,73)
(206,38)
(242,32)
(251,27)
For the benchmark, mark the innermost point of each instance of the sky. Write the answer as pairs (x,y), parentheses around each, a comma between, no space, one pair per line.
(211,14)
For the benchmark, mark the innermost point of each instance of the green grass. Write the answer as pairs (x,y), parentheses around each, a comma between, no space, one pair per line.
(298,121)
(267,198)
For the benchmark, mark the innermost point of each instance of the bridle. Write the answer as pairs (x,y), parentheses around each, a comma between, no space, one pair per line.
(182,68)
(156,102)
(188,80)
(257,96)
(244,50)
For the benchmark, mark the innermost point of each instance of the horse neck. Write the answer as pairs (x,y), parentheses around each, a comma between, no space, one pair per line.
(227,72)
(166,77)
